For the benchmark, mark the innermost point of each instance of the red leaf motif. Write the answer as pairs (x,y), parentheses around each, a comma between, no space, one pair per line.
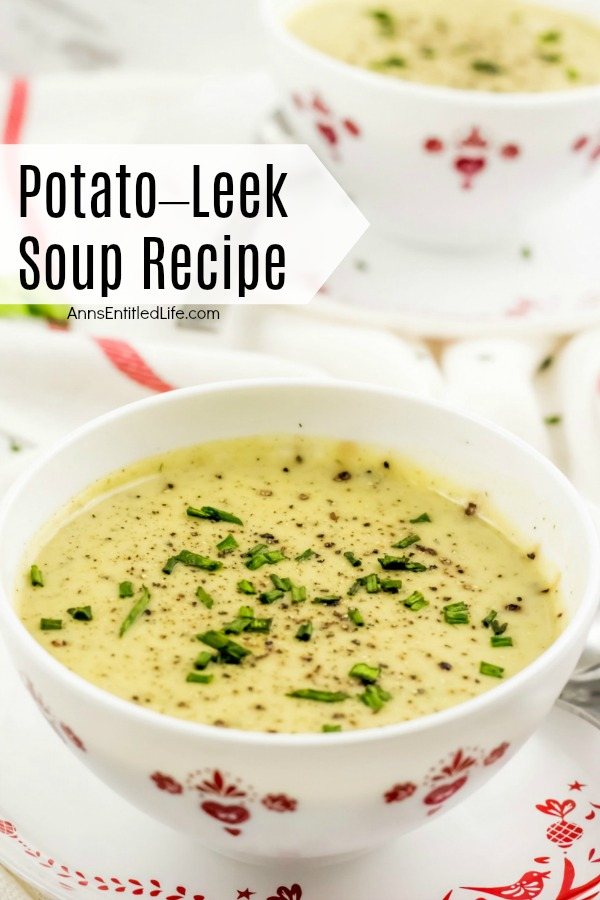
(543,860)
(139,883)
(7,828)
(154,882)
(280,803)
(444,792)
(328,132)
(166,783)
(400,792)
(218,779)
(556,808)
(235,832)
(182,890)
(591,816)
(496,754)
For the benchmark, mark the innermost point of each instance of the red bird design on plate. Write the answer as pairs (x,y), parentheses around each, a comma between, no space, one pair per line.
(530,885)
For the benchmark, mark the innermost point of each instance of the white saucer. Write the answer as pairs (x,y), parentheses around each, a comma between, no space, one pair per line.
(545,280)
(66,834)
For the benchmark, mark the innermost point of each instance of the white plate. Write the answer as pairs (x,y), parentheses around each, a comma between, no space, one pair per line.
(546,280)
(63,832)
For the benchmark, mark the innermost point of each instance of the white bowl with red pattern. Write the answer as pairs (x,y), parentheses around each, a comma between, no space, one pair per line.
(434,165)
(276,796)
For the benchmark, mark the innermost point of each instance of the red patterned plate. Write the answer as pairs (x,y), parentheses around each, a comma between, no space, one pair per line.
(534,831)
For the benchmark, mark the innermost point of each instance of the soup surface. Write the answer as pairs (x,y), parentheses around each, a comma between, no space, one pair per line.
(353,594)
(489,45)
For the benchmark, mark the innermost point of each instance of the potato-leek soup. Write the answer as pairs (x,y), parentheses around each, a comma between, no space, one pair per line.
(490,45)
(285,584)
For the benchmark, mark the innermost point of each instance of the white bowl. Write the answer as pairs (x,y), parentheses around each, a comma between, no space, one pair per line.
(260,796)
(430,164)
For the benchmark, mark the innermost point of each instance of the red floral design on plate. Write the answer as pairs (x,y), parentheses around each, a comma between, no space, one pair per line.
(279,803)
(64,731)
(471,153)
(443,792)
(166,783)
(287,893)
(332,129)
(496,754)
(587,145)
(562,832)
(400,792)
(7,828)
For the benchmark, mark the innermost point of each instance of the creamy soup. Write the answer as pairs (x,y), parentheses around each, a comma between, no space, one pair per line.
(489,45)
(285,584)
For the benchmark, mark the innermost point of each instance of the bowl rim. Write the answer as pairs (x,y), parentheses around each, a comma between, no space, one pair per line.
(92,695)
(458,96)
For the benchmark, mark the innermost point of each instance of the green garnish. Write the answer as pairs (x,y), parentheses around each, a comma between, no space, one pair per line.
(551,57)
(372,584)
(228,544)
(320,696)
(229,651)
(237,626)
(390,563)
(424,517)
(374,697)
(390,585)
(390,62)
(51,624)
(327,601)
(246,587)
(35,576)
(407,541)
(550,37)
(81,613)
(385,21)
(486,66)
(282,584)
(204,597)
(306,554)
(203,659)
(273,556)
(187,558)
(304,632)
(136,610)
(355,586)
(260,556)
(493,671)
(365,673)
(246,612)
(126,589)
(497,628)
(259,626)
(572,74)
(199,678)
(416,601)
(349,555)
(489,618)
(270,596)
(330,728)
(501,640)
(355,616)
(553,419)
(258,548)
(298,593)
(456,613)
(214,515)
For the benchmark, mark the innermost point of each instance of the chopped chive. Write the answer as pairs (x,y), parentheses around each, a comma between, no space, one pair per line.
(349,555)
(355,616)
(554,419)
(270,596)
(551,57)
(497,628)
(391,563)
(170,565)
(355,587)
(81,613)
(489,618)
(372,584)
(320,696)
(572,74)
(390,62)
(282,584)
(328,729)
(327,601)
(229,651)
(246,612)
(550,37)
(126,589)
(215,515)
(390,585)
(374,697)
(196,561)
(298,593)
(486,66)
(259,626)
(407,541)
(501,640)
(51,624)
(304,632)
(258,548)
(203,659)
(237,626)
(246,587)
(416,601)
(273,556)
(256,561)
(204,597)
(199,678)
(35,576)
(385,21)
(424,517)
(306,554)
(456,614)
(493,671)
(365,673)
(228,544)
(136,610)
